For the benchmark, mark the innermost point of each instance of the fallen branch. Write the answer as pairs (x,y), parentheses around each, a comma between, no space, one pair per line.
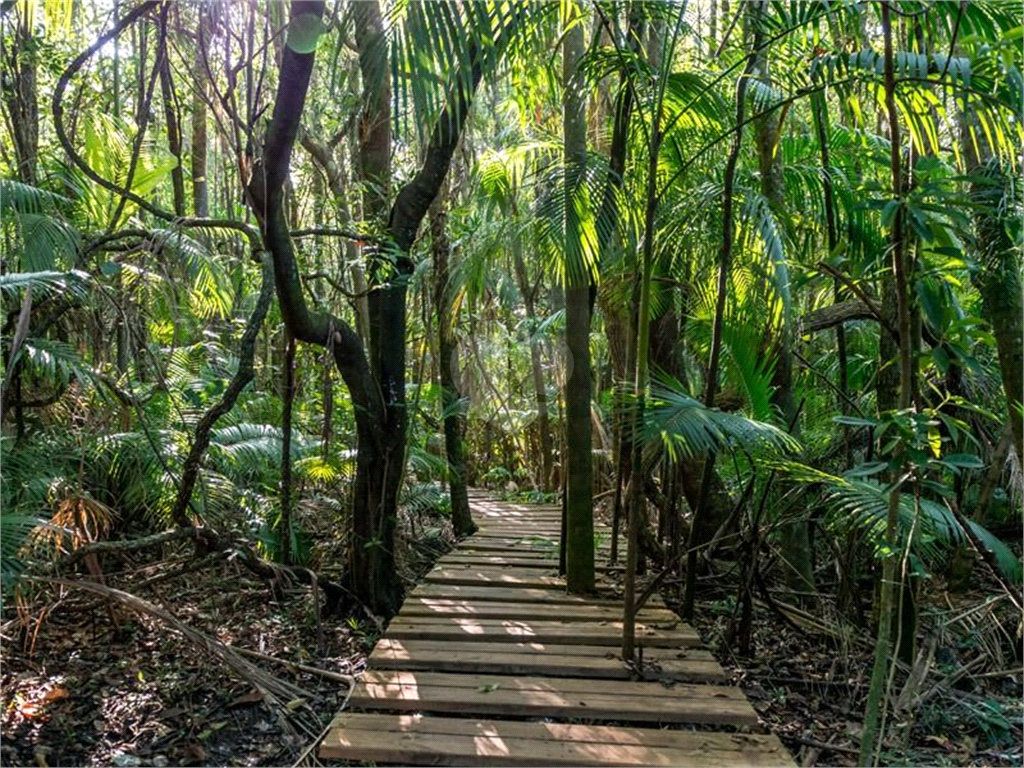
(127,545)
(337,677)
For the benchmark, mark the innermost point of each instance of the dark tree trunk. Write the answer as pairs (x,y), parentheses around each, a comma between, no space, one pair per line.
(173,128)
(22,104)
(579,492)
(699,526)
(462,520)
(376,385)
(996,272)
(547,449)
(901,299)
(767,131)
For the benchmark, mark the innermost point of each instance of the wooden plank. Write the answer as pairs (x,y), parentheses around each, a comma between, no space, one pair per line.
(419,739)
(463,574)
(428,606)
(518,594)
(501,546)
(501,594)
(657,689)
(527,543)
(549,563)
(548,556)
(415,649)
(415,692)
(597,662)
(507,631)
(534,648)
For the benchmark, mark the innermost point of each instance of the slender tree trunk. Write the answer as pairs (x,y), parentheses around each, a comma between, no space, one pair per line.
(713,30)
(767,132)
(641,381)
(698,526)
(607,234)
(547,448)
(173,130)
(876,690)
(579,506)
(284,528)
(996,271)
(200,187)
(371,559)
(820,107)
(462,520)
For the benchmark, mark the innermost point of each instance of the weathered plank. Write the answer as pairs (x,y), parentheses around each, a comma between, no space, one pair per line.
(607,633)
(418,692)
(426,740)
(594,662)
(466,575)
(499,593)
(428,606)
(503,594)
(523,561)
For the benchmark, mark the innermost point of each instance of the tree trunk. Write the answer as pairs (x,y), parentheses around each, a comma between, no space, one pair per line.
(641,378)
(200,186)
(767,129)
(699,525)
(173,129)
(462,520)
(876,689)
(284,527)
(579,505)
(996,271)
(376,385)
(547,448)
(22,104)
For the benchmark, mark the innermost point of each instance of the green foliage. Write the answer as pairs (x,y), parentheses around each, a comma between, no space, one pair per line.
(852,501)
(687,428)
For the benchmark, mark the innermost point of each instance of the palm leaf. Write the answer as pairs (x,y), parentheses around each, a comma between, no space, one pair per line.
(686,426)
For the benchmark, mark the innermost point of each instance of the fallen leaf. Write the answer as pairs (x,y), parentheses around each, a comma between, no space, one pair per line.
(489,687)
(55,693)
(195,753)
(253,697)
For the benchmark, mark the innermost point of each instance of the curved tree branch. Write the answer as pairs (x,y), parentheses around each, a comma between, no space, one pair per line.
(57,106)
(242,377)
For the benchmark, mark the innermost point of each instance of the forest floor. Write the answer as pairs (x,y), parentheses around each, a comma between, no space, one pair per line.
(77,692)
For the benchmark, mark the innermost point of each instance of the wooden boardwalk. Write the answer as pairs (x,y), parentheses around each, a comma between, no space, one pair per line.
(490,662)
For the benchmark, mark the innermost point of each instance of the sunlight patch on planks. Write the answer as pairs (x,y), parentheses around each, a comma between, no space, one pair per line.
(538,658)
(592,700)
(450,741)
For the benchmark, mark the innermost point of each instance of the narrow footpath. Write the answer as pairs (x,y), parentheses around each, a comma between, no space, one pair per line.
(490,662)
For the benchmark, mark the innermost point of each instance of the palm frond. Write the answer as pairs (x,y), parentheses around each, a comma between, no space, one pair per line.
(685,426)
(864,504)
